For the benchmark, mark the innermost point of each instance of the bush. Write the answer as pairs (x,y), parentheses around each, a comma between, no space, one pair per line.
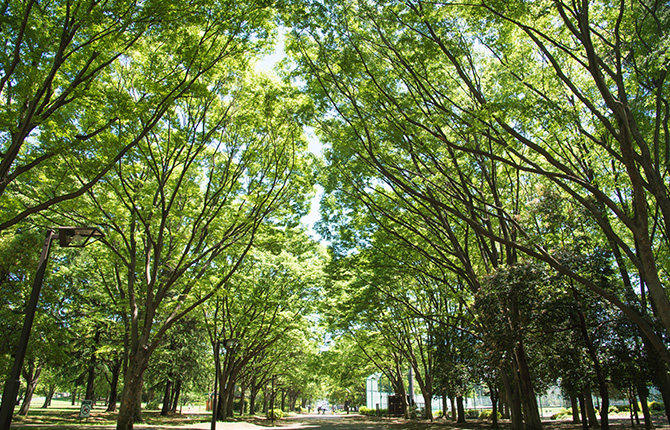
(366,411)
(152,405)
(472,414)
(487,414)
(563,413)
(236,405)
(414,412)
(617,409)
(656,407)
(372,412)
(275,414)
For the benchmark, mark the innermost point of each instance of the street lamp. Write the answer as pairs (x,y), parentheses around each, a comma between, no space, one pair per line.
(67,237)
(227,344)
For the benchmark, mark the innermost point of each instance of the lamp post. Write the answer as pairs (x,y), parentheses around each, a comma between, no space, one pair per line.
(67,237)
(227,344)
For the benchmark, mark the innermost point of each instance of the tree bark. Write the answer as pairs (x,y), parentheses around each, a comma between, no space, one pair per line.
(243,393)
(643,392)
(175,396)
(49,396)
(590,410)
(512,394)
(90,382)
(494,407)
(454,416)
(582,408)
(600,377)
(575,409)
(131,397)
(460,409)
(253,392)
(166,397)
(31,375)
(531,412)
(114,386)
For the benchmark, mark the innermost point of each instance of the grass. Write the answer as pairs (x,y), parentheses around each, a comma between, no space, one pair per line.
(63,413)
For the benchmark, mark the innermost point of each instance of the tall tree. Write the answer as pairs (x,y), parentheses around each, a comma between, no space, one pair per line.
(182,211)
(534,87)
(66,109)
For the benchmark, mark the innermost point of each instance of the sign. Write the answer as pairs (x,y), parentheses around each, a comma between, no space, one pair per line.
(85,410)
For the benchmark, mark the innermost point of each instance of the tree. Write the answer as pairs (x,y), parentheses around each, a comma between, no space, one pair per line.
(182,211)
(263,309)
(423,87)
(67,112)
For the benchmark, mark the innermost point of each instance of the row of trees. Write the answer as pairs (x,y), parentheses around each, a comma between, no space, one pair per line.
(496,191)
(147,120)
(79,341)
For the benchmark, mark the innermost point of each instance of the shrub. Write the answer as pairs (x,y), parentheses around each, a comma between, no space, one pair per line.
(656,407)
(414,412)
(366,411)
(487,414)
(372,412)
(616,409)
(236,405)
(563,413)
(472,414)
(152,405)
(275,414)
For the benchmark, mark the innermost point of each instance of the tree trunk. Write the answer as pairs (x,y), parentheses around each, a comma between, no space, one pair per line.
(49,396)
(131,398)
(231,400)
(166,397)
(582,408)
(454,416)
(114,386)
(460,409)
(253,392)
(662,379)
(175,396)
(590,410)
(74,396)
(243,393)
(531,413)
(444,404)
(600,377)
(90,381)
(634,416)
(575,409)
(31,375)
(428,410)
(494,407)
(642,392)
(399,387)
(512,394)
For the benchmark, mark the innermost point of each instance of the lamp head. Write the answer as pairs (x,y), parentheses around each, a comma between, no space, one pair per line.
(77,237)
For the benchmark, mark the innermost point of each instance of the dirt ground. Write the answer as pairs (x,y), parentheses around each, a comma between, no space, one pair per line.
(357,422)
(326,422)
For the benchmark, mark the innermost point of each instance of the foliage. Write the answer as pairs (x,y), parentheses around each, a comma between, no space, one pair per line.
(487,414)
(275,414)
(656,407)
